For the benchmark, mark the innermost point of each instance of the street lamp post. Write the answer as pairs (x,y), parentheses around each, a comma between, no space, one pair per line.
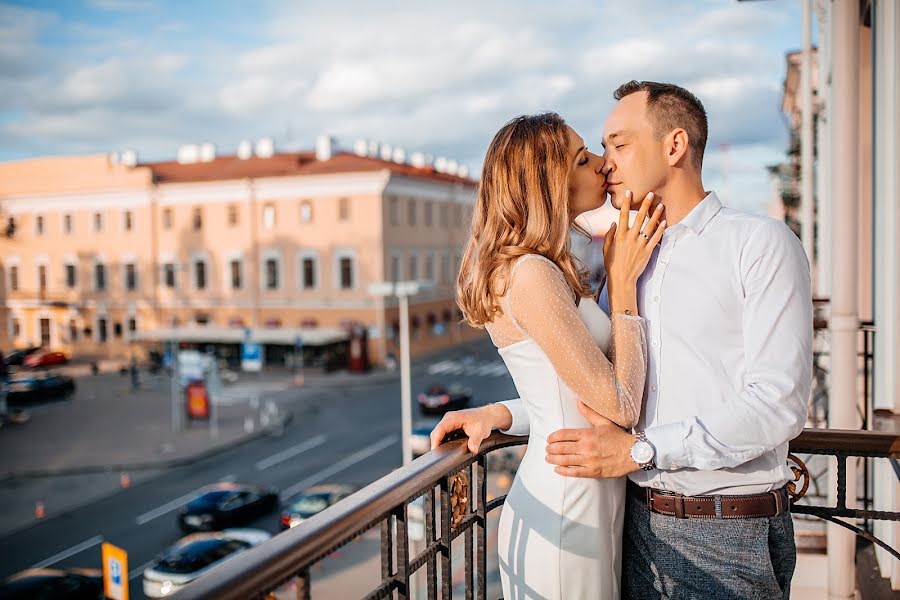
(402,290)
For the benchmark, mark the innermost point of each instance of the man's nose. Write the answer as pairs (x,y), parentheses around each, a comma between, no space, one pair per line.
(608,167)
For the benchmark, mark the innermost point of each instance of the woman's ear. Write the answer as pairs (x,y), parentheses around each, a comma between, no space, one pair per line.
(676,146)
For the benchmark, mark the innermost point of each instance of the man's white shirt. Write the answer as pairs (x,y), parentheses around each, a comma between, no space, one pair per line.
(729,318)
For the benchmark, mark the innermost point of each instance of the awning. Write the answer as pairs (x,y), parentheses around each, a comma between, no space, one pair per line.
(285,336)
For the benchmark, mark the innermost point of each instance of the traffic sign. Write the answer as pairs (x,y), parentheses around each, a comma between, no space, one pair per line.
(115,572)
(251,356)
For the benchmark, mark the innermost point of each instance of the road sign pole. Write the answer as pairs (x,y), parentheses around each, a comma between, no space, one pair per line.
(405,383)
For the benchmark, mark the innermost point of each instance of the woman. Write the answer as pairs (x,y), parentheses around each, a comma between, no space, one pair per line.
(558,537)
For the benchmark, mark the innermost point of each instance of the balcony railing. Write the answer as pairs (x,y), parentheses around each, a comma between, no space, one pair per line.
(454,485)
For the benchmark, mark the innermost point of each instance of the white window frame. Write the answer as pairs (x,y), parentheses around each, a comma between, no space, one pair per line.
(42,219)
(125,213)
(70,260)
(266,255)
(312,213)
(14,315)
(317,271)
(274,212)
(13,261)
(234,255)
(339,254)
(130,259)
(413,273)
(204,258)
(432,256)
(94,221)
(95,338)
(100,260)
(54,337)
(41,261)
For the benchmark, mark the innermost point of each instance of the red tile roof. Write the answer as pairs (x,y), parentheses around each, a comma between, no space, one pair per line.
(288,163)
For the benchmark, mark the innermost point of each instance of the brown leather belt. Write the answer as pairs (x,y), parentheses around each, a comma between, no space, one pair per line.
(751,506)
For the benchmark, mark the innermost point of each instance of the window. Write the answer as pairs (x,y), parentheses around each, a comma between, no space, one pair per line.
(269,216)
(39,225)
(412,211)
(236,270)
(271,273)
(443,214)
(232,214)
(428,211)
(308,272)
(132,325)
(42,277)
(393,210)
(346,272)
(45,331)
(67,224)
(130,277)
(117,329)
(201,319)
(200,274)
(73,330)
(167,218)
(14,278)
(169,275)
(99,277)
(98,222)
(197,219)
(127,220)
(101,329)
(306,212)
(343,209)
(16,327)
(71,276)
(395,268)
(413,267)
(429,267)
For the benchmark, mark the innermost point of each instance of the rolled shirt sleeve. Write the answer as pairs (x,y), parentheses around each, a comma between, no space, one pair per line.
(520,423)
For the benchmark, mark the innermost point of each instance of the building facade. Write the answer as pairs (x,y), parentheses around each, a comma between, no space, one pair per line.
(98,254)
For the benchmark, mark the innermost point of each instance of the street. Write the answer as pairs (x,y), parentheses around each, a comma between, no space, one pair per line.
(348,434)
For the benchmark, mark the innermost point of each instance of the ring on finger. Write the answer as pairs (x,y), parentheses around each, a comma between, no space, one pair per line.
(645,236)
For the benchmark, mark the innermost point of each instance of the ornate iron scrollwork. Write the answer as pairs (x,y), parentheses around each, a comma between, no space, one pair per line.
(459,497)
(801,474)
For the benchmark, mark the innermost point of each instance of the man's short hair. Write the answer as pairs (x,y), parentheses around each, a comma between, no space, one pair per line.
(671,107)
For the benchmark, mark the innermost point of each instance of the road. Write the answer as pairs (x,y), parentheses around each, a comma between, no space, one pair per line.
(349,435)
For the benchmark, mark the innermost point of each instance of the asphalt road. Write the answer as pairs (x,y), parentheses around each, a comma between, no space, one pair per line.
(349,435)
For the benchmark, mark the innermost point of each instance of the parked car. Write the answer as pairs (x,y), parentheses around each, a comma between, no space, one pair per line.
(31,386)
(420,440)
(45,359)
(312,501)
(224,505)
(437,399)
(16,357)
(54,584)
(194,555)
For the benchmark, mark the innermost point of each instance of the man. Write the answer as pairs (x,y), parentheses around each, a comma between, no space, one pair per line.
(729,313)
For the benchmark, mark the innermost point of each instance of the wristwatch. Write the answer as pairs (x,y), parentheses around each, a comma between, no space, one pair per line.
(643,452)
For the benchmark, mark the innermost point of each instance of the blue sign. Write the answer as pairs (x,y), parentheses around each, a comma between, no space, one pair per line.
(251,356)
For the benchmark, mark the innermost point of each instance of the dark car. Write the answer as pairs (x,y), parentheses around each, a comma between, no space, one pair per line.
(225,505)
(437,399)
(54,584)
(36,386)
(17,357)
(312,501)
(45,359)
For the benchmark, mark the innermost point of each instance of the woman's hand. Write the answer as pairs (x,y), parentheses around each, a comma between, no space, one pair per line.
(627,250)
(477,423)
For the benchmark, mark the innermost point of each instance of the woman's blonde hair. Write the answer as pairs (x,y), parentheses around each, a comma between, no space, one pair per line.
(522,208)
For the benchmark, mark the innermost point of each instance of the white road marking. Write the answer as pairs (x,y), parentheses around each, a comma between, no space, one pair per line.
(290,453)
(341,465)
(70,552)
(170,506)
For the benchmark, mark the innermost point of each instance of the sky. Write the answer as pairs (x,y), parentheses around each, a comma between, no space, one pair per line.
(96,76)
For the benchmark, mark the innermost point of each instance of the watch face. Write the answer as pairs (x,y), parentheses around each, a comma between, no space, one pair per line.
(642,452)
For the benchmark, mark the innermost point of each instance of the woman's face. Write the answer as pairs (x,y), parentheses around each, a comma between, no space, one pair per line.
(587,183)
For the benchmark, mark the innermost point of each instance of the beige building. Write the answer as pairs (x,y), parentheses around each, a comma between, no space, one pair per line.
(99,252)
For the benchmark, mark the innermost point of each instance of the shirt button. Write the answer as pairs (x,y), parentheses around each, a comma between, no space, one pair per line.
(655,344)
(656,298)
(653,388)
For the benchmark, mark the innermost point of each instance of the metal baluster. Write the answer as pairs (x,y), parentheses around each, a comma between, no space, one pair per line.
(470,591)
(303,584)
(841,482)
(481,527)
(446,573)
(431,565)
(402,552)
(387,549)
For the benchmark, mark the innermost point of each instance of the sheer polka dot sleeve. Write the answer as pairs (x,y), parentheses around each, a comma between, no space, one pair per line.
(542,306)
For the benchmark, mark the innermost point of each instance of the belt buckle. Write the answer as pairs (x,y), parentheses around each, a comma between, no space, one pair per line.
(779,502)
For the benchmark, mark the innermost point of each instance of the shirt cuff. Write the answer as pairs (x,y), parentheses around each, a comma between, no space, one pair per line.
(668,441)
(520,424)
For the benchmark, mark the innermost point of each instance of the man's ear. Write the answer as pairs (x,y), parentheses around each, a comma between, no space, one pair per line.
(676,146)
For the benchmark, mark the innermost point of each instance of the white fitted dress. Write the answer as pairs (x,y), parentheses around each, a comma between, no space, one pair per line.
(561,537)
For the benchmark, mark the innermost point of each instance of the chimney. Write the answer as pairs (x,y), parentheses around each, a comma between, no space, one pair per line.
(128,158)
(373,149)
(188,153)
(417,159)
(440,164)
(324,147)
(361,147)
(463,171)
(207,152)
(386,152)
(452,167)
(245,150)
(265,147)
(399,155)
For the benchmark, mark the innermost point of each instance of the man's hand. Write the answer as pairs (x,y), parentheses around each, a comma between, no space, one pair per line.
(603,450)
(477,423)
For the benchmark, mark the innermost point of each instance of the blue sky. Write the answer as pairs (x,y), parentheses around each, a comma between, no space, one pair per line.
(102,75)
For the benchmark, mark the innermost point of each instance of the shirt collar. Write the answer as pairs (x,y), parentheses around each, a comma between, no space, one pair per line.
(702,214)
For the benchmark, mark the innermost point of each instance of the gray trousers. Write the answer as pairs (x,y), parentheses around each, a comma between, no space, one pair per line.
(721,559)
